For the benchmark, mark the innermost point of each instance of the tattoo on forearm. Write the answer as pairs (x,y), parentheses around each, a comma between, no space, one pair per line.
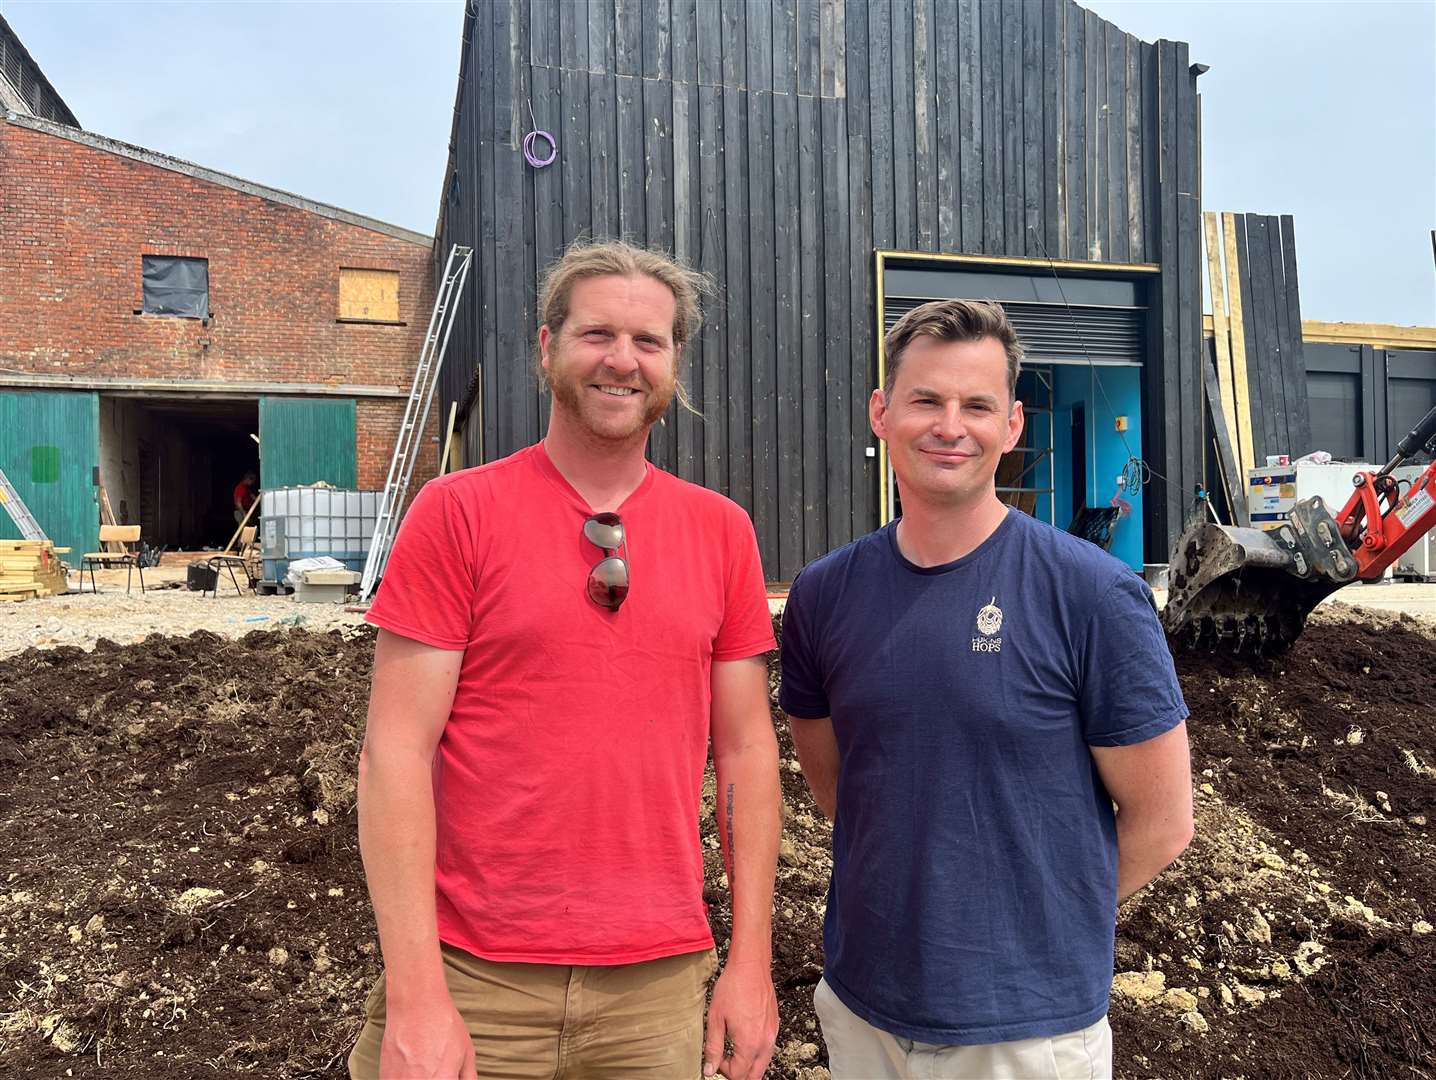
(731,855)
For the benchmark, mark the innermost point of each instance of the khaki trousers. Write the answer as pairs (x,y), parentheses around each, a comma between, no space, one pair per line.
(553,1021)
(859,1051)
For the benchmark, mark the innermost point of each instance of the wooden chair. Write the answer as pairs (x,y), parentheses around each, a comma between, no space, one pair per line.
(246,558)
(129,558)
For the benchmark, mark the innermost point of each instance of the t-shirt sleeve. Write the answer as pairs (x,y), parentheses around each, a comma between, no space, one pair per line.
(747,627)
(801,693)
(1129,691)
(427,591)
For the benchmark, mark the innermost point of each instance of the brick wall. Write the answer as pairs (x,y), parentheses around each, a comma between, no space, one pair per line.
(74,223)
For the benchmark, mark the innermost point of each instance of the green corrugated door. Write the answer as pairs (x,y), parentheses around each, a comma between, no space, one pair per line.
(49,448)
(305,440)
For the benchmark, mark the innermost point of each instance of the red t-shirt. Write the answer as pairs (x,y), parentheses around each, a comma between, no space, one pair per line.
(243,495)
(569,775)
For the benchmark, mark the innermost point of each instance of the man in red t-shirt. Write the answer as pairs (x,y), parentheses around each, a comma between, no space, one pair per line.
(244,496)
(562,633)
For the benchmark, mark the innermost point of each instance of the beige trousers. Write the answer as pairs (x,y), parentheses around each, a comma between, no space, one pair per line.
(859,1051)
(552,1021)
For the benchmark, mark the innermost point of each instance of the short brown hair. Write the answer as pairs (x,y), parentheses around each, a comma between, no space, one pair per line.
(953,320)
(618,258)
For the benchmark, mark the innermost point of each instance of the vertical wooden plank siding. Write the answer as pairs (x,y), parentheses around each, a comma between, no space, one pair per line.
(857,215)
(602,41)
(1299,418)
(1261,317)
(969,131)
(1174,495)
(1135,246)
(789,257)
(775,145)
(1053,132)
(1013,218)
(808,46)
(738,359)
(713,261)
(994,232)
(814,373)
(628,36)
(1098,130)
(632,216)
(1033,132)
(604,200)
(1119,247)
(924,126)
(1074,157)
(1190,465)
(1282,373)
(762,316)
(833,123)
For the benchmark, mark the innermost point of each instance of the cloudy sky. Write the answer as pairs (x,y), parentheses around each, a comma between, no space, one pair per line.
(1326,111)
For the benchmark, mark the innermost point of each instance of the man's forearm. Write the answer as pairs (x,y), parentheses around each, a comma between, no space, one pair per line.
(749,821)
(396,839)
(1144,849)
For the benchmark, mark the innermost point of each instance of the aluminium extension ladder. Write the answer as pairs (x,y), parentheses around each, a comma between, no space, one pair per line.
(18,511)
(416,417)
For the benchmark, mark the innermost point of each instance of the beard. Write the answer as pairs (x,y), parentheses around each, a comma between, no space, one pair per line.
(570,394)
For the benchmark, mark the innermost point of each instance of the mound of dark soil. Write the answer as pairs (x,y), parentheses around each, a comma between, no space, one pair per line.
(181,893)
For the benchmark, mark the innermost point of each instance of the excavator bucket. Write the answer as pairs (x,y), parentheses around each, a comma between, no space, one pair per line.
(1244,590)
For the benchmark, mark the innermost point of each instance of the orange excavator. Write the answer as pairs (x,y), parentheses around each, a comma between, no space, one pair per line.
(1244,590)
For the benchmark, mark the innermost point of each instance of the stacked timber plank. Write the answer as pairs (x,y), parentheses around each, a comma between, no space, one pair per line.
(1255,372)
(31,568)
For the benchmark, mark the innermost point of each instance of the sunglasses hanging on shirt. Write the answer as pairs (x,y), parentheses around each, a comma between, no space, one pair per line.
(608,580)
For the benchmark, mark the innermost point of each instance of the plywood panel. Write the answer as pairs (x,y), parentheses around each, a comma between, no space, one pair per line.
(369,295)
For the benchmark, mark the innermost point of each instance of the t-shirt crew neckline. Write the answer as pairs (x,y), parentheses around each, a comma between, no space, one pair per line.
(993,541)
(560,483)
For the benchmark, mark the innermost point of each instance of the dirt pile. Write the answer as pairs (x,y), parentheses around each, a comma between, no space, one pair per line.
(181,893)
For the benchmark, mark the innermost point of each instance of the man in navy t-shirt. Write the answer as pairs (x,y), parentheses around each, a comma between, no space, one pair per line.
(970,690)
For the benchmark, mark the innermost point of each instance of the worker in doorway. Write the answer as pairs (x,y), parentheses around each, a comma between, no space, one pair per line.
(245,492)
(562,632)
(969,690)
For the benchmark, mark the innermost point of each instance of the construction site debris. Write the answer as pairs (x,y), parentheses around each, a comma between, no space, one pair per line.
(184,884)
(30,569)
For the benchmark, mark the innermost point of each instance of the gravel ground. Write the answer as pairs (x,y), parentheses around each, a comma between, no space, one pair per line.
(83,618)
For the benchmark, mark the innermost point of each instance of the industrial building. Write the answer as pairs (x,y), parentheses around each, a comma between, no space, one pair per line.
(830,164)
(169,328)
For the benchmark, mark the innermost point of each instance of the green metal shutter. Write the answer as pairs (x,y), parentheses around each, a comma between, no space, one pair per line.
(305,440)
(49,448)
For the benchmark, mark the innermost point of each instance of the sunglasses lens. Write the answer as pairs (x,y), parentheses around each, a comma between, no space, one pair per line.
(608,583)
(604,531)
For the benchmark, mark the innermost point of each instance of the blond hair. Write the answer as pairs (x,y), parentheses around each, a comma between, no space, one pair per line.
(953,320)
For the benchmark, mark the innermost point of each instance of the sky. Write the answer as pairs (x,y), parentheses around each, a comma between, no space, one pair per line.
(1326,111)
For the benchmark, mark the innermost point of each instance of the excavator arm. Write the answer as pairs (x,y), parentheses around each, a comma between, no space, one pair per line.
(1250,590)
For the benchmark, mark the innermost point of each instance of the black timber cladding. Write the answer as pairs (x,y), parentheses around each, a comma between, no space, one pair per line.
(776,145)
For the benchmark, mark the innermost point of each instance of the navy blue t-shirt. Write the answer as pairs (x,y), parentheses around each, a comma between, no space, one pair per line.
(974,889)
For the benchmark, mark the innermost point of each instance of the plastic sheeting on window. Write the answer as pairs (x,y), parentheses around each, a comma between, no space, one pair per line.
(176,286)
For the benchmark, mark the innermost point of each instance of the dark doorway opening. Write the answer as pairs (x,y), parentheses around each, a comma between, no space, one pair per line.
(171,465)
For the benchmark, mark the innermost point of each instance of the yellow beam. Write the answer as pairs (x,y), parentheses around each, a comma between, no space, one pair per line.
(1378,335)
(1237,328)
(1222,338)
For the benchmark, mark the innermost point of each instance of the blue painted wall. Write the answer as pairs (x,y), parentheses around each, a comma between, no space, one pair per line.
(1104,393)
